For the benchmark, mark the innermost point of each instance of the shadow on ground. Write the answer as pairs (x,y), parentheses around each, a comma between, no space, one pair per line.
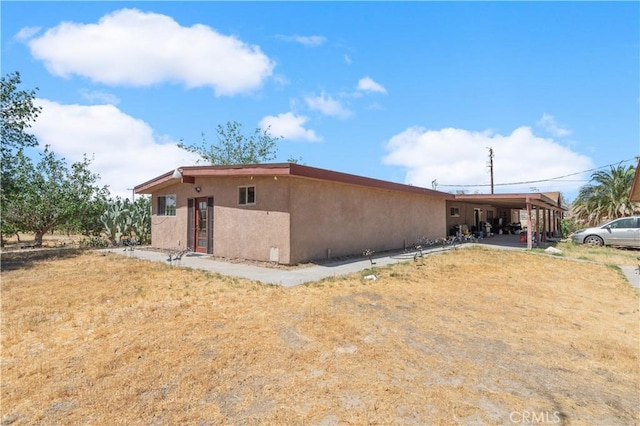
(22,259)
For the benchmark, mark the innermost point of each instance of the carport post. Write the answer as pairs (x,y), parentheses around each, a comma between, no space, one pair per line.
(537,225)
(528,223)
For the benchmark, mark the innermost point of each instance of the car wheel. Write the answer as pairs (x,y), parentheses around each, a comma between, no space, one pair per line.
(594,240)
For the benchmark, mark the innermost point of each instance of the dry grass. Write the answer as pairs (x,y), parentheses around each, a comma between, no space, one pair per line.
(473,336)
(605,255)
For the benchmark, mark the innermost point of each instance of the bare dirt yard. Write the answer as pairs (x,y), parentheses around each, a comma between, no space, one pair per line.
(473,336)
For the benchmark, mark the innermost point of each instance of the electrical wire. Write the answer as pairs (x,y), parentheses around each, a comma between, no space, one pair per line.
(543,180)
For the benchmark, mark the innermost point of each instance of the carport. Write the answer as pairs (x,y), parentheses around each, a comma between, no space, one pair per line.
(547,207)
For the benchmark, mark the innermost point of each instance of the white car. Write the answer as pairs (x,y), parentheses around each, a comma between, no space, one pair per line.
(619,232)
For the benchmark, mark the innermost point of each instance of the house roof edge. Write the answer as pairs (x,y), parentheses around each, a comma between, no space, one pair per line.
(291,169)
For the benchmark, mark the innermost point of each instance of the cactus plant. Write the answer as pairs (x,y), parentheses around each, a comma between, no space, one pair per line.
(123,219)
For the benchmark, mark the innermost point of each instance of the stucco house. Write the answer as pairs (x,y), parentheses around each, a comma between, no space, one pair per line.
(288,213)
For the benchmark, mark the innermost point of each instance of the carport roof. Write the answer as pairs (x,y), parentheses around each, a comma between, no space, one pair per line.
(512,201)
(189,173)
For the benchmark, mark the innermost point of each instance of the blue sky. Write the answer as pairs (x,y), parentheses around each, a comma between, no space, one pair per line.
(410,92)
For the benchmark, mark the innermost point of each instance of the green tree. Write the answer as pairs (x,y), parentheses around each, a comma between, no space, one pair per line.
(88,224)
(17,113)
(50,193)
(233,147)
(606,197)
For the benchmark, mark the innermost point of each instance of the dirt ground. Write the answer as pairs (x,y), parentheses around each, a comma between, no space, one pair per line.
(471,337)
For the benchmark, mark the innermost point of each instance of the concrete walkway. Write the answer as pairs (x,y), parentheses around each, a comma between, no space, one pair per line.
(283,277)
(633,275)
(297,276)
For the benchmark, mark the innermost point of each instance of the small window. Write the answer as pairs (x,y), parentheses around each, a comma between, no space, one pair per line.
(246,195)
(454,212)
(167,205)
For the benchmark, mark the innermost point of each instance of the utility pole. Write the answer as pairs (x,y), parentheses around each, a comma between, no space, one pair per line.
(491,166)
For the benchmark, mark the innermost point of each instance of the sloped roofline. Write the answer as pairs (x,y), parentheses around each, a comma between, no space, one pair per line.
(284,169)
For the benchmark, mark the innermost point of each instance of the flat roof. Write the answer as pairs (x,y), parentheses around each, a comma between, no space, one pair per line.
(281,169)
(511,201)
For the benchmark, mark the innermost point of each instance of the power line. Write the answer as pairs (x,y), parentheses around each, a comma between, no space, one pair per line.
(541,180)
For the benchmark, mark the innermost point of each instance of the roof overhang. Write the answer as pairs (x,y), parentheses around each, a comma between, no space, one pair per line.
(511,201)
(190,173)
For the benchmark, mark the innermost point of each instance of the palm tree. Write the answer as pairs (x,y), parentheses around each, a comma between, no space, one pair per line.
(606,197)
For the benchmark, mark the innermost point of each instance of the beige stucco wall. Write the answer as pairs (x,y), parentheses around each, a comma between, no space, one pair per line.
(258,232)
(251,234)
(170,232)
(298,219)
(334,219)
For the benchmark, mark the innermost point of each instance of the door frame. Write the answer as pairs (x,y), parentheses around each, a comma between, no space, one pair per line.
(192,229)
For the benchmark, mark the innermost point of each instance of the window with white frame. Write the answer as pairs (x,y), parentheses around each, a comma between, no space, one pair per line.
(454,212)
(246,195)
(167,205)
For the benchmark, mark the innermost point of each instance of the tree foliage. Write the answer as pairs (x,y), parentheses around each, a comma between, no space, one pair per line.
(88,224)
(41,197)
(17,112)
(606,197)
(233,147)
(51,194)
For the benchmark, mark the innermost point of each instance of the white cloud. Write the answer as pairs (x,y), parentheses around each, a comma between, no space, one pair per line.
(327,106)
(311,41)
(348,59)
(366,84)
(460,157)
(100,97)
(549,123)
(132,48)
(26,33)
(289,126)
(126,152)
